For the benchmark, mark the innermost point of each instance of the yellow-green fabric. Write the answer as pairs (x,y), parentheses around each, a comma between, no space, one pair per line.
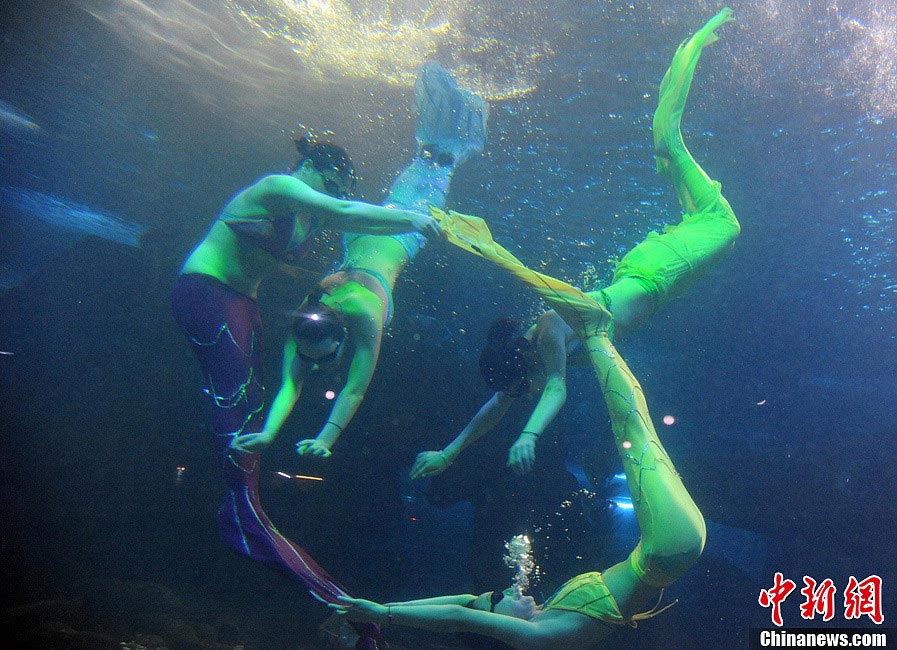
(584,314)
(690,184)
(645,572)
(587,594)
(667,263)
(672,527)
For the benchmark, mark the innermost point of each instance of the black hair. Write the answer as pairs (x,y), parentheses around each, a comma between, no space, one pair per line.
(508,355)
(325,155)
(314,321)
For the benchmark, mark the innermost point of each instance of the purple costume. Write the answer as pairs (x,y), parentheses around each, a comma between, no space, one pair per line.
(225,330)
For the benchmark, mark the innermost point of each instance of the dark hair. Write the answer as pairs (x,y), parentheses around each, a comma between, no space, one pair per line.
(325,155)
(314,321)
(507,357)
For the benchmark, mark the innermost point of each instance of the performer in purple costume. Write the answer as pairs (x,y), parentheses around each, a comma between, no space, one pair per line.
(224,328)
(214,302)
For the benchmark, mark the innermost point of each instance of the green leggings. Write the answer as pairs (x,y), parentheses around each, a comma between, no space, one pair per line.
(665,264)
(672,527)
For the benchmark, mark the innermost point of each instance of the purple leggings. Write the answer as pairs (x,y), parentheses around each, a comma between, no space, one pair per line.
(225,330)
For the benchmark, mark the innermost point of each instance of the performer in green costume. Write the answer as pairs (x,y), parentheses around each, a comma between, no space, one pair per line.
(658,269)
(586,608)
(343,319)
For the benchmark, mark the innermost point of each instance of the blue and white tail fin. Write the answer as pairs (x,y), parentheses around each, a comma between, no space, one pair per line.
(452,124)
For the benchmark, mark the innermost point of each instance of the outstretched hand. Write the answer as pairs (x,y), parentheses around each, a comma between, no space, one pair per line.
(429,463)
(251,443)
(427,226)
(522,455)
(359,610)
(312,447)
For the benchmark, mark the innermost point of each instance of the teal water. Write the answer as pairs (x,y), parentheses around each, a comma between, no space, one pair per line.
(779,367)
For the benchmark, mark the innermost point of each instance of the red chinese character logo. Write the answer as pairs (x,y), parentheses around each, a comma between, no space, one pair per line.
(863,598)
(774,596)
(821,599)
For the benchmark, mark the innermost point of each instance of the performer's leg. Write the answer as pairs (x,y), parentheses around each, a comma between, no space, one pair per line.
(451,129)
(672,528)
(666,264)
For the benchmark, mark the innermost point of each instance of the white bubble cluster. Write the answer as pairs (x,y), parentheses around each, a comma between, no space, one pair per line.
(519,556)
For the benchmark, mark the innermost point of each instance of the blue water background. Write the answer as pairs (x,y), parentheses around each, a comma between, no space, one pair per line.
(779,367)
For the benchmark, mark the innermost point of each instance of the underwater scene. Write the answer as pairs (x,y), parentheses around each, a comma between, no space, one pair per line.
(441,324)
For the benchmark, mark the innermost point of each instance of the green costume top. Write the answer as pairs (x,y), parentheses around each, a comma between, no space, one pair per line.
(587,594)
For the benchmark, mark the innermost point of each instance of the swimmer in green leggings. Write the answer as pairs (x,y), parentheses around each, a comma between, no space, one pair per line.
(516,363)
(586,608)
(343,319)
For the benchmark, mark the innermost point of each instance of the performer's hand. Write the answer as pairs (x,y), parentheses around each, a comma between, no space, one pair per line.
(427,226)
(522,456)
(251,443)
(429,463)
(312,447)
(360,610)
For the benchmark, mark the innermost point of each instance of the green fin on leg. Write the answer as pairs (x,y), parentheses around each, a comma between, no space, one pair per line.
(673,159)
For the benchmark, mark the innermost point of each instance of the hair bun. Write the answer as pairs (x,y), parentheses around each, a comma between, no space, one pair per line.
(502,329)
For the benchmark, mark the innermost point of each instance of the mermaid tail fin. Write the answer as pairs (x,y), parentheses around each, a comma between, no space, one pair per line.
(673,158)
(452,124)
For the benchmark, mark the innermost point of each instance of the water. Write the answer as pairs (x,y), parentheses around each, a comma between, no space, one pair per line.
(778,368)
